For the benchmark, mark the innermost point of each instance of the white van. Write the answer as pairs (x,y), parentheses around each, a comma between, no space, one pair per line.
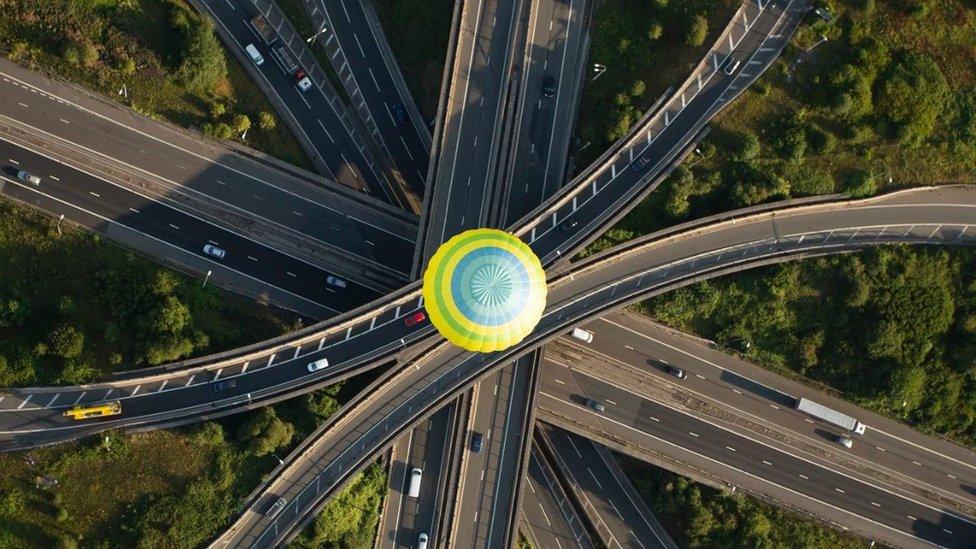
(254,54)
(318,365)
(422,541)
(582,335)
(415,477)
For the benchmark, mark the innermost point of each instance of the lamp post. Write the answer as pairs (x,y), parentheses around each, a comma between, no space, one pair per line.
(598,69)
(312,38)
(823,38)
(207,278)
(60,219)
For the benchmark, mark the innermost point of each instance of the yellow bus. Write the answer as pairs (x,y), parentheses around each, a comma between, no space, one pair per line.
(113,408)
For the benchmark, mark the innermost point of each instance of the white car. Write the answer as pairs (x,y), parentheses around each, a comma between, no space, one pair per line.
(335,281)
(318,365)
(214,251)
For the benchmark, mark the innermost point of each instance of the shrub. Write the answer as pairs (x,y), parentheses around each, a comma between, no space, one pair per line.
(820,140)
(217,110)
(203,64)
(266,121)
(66,341)
(697,32)
(655,31)
(859,183)
(88,54)
(70,53)
(745,146)
(912,96)
(265,432)
(127,66)
(241,123)
(637,88)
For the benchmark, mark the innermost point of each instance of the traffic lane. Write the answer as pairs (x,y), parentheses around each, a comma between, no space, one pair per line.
(623,518)
(605,496)
(229,180)
(540,156)
(619,177)
(544,515)
(119,205)
(647,353)
(312,110)
(632,413)
(426,451)
(354,36)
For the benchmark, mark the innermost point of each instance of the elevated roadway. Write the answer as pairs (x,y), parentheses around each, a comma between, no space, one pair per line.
(609,280)
(549,518)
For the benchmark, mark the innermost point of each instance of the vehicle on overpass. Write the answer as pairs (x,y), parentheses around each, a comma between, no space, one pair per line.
(104,409)
(829,415)
(263,28)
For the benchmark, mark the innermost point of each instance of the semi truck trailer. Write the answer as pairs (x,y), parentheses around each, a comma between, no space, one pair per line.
(829,415)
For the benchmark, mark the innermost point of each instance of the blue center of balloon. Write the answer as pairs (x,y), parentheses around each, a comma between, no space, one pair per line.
(490,286)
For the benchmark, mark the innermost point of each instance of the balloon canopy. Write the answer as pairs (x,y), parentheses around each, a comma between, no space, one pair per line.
(484,290)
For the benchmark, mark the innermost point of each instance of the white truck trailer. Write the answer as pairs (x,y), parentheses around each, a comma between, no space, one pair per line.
(829,415)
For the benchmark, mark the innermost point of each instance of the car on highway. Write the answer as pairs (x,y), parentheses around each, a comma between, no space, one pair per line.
(415,319)
(675,371)
(26,176)
(549,86)
(731,63)
(302,80)
(335,281)
(276,507)
(223,385)
(254,54)
(844,441)
(477,442)
(639,164)
(399,113)
(416,475)
(595,405)
(214,251)
(582,335)
(318,365)
(422,541)
(567,225)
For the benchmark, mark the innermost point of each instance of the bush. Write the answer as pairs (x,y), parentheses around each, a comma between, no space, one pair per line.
(217,110)
(655,31)
(697,32)
(127,66)
(745,146)
(860,183)
(912,96)
(70,53)
(266,121)
(820,140)
(88,54)
(241,123)
(66,341)
(203,64)
(265,432)
(637,88)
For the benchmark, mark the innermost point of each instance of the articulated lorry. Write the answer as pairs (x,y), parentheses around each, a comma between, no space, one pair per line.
(830,415)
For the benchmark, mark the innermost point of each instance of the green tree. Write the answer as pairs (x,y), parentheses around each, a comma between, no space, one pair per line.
(907,386)
(217,110)
(241,123)
(679,188)
(170,317)
(912,96)
(127,66)
(266,121)
(744,145)
(637,88)
(697,32)
(203,64)
(265,432)
(655,31)
(66,341)
(860,183)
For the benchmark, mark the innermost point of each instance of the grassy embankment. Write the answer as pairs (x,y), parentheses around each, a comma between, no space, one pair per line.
(167,56)
(418,31)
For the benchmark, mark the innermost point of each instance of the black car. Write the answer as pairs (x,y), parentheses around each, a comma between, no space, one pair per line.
(595,405)
(477,442)
(675,371)
(224,385)
(399,113)
(549,86)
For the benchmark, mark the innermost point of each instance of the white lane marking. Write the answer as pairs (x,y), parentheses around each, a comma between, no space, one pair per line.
(81,396)
(270,358)
(596,480)
(64,121)
(297,350)
(174,226)
(163,386)
(14,162)
(840,490)
(217,375)
(571,443)
(54,178)
(26,400)
(693,434)
(767,462)
(48,405)
(561,382)
(133,210)
(804,477)
(189,381)
(611,402)
(327,134)
(246,364)
(729,448)
(96,195)
(136,391)
(876,504)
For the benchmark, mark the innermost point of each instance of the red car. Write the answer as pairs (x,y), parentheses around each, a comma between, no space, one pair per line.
(415,319)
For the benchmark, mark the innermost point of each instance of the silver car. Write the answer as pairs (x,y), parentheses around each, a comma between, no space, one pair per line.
(214,251)
(26,177)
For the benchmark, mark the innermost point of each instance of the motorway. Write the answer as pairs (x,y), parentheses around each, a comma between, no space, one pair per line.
(872,510)
(354,41)
(548,516)
(203,176)
(318,116)
(629,350)
(620,517)
(631,272)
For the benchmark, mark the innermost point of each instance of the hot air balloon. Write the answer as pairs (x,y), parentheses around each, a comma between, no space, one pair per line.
(484,290)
